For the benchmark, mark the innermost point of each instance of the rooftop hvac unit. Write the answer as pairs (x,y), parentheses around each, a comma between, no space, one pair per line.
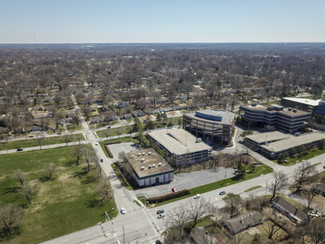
(154,165)
(143,153)
(142,168)
(199,140)
(142,159)
(139,154)
(149,153)
(149,166)
(159,164)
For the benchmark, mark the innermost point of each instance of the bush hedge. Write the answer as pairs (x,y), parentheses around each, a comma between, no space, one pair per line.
(168,196)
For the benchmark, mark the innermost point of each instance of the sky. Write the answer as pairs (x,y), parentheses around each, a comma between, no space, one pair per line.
(161,21)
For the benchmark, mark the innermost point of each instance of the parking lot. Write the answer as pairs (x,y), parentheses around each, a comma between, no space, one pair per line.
(126,147)
(187,181)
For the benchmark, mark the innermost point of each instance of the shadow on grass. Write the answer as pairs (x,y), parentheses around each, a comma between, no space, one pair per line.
(5,236)
(94,203)
(46,178)
(81,173)
(69,163)
(10,190)
(89,179)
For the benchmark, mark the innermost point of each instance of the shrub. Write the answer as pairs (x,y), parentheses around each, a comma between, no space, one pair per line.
(168,196)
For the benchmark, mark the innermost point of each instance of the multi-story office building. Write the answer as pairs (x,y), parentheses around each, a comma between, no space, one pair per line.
(148,168)
(286,119)
(181,147)
(210,125)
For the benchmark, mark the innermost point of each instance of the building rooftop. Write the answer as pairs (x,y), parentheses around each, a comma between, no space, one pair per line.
(274,108)
(293,141)
(268,136)
(290,208)
(243,221)
(306,101)
(220,116)
(178,141)
(147,162)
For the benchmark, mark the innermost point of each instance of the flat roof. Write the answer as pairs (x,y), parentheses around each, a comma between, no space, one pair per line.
(178,141)
(268,136)
(144,158)
(285,111)
(293,141)
(217,116)
(305,101)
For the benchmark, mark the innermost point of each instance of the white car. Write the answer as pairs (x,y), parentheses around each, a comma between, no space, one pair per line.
(96,144)
(123,211)
(197,196)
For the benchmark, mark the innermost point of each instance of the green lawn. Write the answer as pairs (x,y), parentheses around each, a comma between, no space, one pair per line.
(253,188)
(295,159)
(115,131)
(60,206)
(259,170)
(73,127)
(128,129)
(44,142)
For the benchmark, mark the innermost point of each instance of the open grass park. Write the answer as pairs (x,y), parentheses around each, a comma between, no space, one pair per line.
(61,205)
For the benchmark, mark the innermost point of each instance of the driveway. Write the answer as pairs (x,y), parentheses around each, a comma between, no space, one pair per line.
(187,181)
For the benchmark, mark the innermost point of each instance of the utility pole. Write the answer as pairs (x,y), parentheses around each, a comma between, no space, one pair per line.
(123,235)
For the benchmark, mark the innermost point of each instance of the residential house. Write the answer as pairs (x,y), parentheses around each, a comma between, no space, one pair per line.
(292,212)
(243,222)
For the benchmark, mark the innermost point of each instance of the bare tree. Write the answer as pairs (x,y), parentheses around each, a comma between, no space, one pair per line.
(308,197)
(21,176)
(178,219)
(197,209)
(77,153)
(10,217)
(316,230)
(88,155)
(280,181)
(233,202)
(39,138)
(27,191)
(68,138)
(302,174)
(50,169)
(103,190)
(271,227)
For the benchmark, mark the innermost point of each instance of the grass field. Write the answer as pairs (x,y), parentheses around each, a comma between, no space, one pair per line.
(296,159)
(60,206)
(259,170)
(44,141)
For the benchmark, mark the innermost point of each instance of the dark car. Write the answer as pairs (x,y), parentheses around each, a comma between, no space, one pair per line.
(101,160)
(158,242)
(222,193)
(19,149)
(160,211)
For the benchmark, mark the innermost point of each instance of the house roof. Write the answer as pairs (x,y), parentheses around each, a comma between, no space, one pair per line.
(290,208)
(243,222)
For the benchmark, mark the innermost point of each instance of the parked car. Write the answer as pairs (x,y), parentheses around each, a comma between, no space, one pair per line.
(173,189)
(19,149)
(161,216)
(123,211)
(101,160)
(222,193)
(160,211)
(197,196)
